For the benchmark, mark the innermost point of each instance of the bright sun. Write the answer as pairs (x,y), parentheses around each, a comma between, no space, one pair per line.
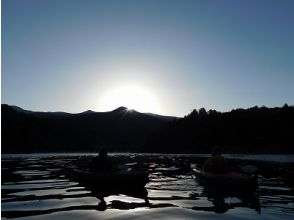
(132,97)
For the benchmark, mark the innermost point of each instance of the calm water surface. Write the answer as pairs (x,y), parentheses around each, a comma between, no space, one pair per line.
(36,187)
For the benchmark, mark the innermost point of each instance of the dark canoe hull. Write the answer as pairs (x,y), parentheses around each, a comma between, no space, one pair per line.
(228,182)
(110,180)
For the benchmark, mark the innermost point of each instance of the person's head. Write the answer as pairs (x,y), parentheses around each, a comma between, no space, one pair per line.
(216,150)
(102,153)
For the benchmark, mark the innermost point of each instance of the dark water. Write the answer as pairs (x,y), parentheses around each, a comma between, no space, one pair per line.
(36,187)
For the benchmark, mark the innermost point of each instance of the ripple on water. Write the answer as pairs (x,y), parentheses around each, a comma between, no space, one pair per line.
(172,194)
(31,172)
(27,186)
(46,204)
(47,192)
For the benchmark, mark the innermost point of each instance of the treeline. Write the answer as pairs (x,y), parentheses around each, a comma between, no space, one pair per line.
(253,130)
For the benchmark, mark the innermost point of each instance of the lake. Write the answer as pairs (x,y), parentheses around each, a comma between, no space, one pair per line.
(35,186)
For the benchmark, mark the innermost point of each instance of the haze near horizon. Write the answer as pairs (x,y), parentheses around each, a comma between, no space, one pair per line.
(164,57)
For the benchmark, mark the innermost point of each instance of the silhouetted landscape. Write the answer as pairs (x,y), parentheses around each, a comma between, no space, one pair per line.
(139,110)
(253,130)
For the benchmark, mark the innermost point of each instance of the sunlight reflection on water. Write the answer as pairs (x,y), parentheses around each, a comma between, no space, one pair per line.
(39,189)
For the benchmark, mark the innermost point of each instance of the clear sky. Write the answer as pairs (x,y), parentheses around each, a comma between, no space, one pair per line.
(164,56)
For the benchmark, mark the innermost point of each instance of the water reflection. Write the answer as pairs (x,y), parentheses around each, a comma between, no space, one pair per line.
(123,199)
(31,186)
(221,202)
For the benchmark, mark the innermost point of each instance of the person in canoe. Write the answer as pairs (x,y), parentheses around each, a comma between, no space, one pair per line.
(101,162)
(216,163)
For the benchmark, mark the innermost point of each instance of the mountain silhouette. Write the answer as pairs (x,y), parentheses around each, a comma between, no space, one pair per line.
(252,130)
(119,130)
(121,109)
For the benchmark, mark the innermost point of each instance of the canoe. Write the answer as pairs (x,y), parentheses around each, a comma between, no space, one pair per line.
(229,181)
(118,179)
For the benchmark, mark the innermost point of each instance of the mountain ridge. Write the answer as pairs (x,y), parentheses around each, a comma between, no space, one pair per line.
(121,109)
(120,130)
(253,130)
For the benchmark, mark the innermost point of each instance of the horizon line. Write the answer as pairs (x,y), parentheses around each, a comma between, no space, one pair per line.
(262,106)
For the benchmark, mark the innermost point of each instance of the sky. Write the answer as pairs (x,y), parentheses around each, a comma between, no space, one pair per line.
(162,56)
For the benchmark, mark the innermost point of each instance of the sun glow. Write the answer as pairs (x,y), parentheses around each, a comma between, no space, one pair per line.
(132,97)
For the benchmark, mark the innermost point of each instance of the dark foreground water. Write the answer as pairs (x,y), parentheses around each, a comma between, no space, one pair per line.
(36,187)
